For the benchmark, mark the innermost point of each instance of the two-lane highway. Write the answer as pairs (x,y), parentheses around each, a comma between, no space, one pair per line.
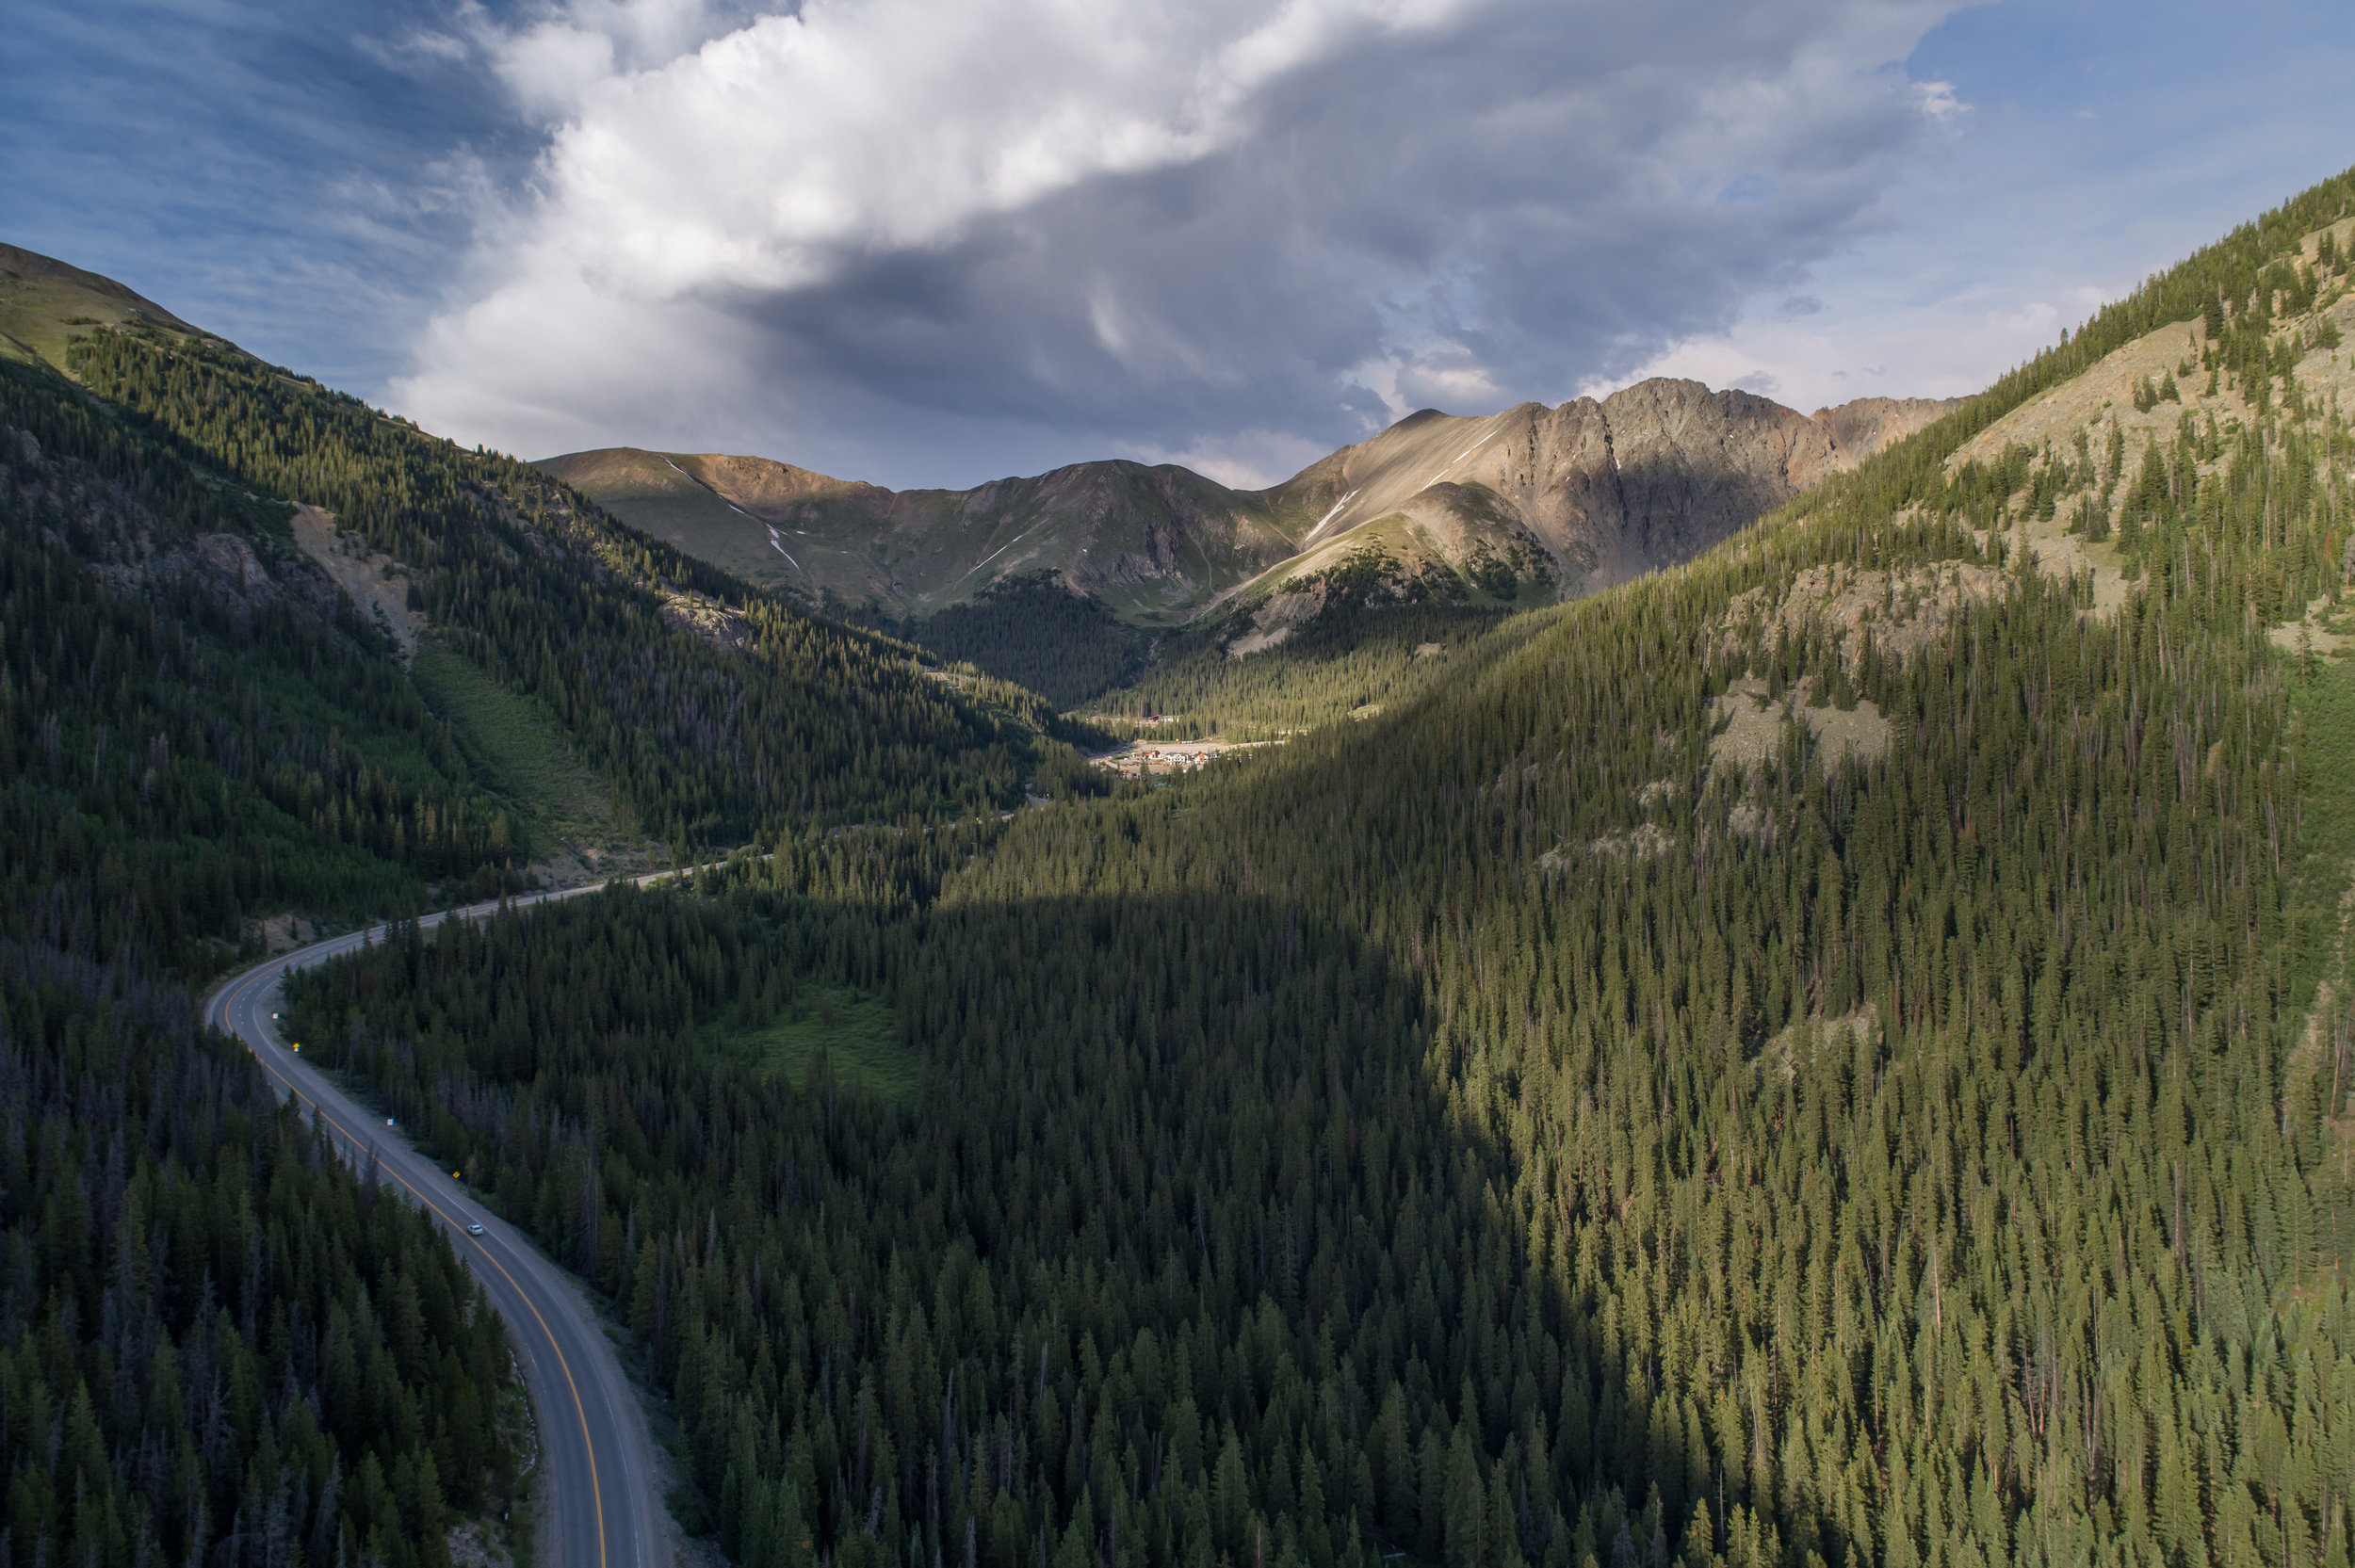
(602,1509)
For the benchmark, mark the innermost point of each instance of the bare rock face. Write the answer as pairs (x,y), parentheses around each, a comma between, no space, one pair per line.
(716,624)
(1649,477)
(1859,428)
(229,564)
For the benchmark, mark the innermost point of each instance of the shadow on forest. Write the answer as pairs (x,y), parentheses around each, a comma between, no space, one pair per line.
(1179,1241)
(1229,1116)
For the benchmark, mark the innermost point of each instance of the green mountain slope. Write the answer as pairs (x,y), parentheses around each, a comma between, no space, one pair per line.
(720,712)
(46,304)
(1833,1054)
(222,707)
(211,1333)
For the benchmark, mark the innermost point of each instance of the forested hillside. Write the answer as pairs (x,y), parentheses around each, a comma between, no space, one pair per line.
(216,1344)
(1836,1053)
(1032,630)
(196,728)
(720,712)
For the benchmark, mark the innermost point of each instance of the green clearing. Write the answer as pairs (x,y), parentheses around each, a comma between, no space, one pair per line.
(520,752)
(855,1036)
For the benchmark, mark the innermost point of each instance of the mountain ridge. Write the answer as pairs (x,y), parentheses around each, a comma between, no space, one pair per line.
(43,300)
(1583,496)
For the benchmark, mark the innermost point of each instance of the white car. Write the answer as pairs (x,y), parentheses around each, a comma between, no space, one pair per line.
(474,1229)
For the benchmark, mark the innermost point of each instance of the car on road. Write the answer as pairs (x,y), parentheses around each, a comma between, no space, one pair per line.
(474,1229)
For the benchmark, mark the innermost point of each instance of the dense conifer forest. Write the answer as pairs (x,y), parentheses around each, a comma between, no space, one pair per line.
(217,1344)
(1038,634)
(721,713)
(1530,1128)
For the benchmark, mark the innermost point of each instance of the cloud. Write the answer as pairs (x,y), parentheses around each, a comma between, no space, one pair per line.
(1937,347)
(1937,101)
(925,242)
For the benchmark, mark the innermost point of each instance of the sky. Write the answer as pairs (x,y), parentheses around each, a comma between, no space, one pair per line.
(934,242)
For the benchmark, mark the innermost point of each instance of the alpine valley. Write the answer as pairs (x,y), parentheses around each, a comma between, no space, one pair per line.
(1784,999)
(1518,509)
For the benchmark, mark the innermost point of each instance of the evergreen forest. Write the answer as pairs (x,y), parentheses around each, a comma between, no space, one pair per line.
(1836,1053)
(1036,633)
(217,1345)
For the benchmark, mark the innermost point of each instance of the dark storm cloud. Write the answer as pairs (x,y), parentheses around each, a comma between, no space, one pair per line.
(1454,204)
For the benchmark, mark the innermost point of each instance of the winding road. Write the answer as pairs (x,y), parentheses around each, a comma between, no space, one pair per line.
(600,1507)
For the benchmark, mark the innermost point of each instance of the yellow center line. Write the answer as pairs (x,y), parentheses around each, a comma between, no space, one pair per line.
(596,1492)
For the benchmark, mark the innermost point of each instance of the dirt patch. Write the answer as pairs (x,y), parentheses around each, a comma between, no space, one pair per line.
(1813,1034)
(281,933)
(1843,736)
(1745,729)
(1754,725)
(476,1544)
(716,624)
(374,581)
(2313,632)
(1905,610)
(1643,842)
(1275,621)
(2061,553)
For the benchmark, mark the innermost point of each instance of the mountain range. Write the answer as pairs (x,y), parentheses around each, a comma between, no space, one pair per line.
(1525,506)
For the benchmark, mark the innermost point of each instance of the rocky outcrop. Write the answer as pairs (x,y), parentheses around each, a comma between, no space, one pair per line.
(228,566)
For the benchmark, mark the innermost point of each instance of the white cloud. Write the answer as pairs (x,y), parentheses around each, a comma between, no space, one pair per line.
(896,237)
(1932,348)
(1243,459)
(1937,101)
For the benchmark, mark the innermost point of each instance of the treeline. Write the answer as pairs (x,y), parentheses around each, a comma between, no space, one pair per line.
(2209,286)
(1511,1133)
(1347,658)
(721,713)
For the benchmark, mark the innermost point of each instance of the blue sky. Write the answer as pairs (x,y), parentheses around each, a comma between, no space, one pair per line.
(2101,142)
(931,244)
